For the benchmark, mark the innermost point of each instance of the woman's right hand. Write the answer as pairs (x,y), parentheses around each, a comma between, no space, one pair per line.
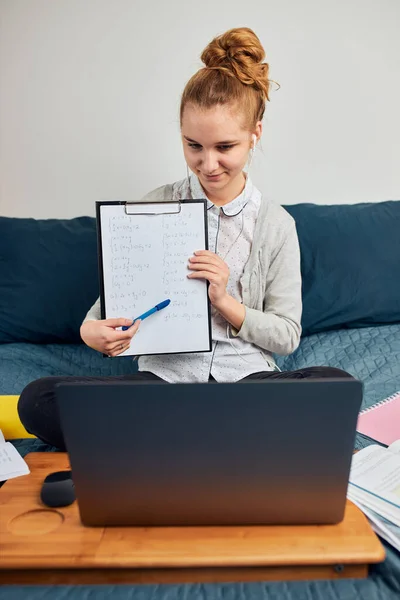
(103,336)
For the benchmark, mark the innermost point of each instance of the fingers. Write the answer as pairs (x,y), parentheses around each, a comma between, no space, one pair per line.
(211,277)
(119,341)
(207,265)
(208,261)
(206,256)
(126,335)
(211,268)
(121,322)
(119,348)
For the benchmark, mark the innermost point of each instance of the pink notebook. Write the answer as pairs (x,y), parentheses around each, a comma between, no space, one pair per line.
(381,421)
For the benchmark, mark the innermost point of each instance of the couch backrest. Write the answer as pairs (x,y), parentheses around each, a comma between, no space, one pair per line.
(350,262)
(350,268)
(48,278)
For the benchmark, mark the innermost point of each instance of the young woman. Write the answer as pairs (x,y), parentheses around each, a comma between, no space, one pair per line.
(253,264)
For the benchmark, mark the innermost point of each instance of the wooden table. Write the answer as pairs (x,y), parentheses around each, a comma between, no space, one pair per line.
(43,545)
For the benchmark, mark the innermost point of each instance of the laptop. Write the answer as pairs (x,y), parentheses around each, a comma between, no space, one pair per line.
(253,453)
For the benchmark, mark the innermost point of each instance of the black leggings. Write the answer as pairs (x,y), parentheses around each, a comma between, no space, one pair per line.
(38,410)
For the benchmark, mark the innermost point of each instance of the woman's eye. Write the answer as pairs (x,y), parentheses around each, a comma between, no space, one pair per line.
(223,148)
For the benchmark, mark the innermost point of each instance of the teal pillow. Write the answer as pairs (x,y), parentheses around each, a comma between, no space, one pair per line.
(350,263)
(48,278)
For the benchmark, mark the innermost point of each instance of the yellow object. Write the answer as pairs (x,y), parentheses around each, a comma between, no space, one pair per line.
(10,424)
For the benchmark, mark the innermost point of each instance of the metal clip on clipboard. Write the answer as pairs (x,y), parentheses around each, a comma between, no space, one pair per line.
(157,208)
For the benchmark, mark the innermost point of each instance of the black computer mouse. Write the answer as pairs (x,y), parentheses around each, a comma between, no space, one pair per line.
(58,489)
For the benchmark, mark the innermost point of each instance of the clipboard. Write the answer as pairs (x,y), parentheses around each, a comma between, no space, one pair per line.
(143,252)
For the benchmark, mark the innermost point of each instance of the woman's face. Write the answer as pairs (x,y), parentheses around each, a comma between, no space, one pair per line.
(216,147)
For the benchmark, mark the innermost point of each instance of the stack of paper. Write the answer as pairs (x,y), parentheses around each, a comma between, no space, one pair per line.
(374,487)
(11,462)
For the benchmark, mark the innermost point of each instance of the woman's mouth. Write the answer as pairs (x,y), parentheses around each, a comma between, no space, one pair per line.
(213,177)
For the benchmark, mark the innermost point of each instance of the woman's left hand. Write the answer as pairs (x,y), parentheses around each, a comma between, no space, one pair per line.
(208,265)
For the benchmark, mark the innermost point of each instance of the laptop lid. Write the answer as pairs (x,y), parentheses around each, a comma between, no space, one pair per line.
(260,452)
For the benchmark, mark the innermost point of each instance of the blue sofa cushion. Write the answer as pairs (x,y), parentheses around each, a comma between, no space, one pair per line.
(350,261)
(48,278)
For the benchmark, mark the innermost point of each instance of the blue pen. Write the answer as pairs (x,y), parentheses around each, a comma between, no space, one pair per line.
(149,312)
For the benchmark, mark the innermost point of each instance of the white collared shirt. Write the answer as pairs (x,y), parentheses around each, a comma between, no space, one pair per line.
(230,235)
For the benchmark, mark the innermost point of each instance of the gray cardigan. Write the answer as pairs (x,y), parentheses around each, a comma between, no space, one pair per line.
(271,280)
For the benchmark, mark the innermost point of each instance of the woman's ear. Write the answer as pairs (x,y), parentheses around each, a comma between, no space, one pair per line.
(258,131)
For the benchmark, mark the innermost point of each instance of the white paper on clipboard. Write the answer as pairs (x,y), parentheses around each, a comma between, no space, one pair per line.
(145,250)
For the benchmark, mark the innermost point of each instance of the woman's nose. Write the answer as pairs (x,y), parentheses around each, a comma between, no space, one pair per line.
(210,162)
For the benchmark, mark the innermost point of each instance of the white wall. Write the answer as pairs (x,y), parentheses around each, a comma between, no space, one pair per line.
(89,98)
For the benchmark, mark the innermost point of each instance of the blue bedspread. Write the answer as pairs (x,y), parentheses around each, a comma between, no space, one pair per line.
(370,354)
(22,363)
